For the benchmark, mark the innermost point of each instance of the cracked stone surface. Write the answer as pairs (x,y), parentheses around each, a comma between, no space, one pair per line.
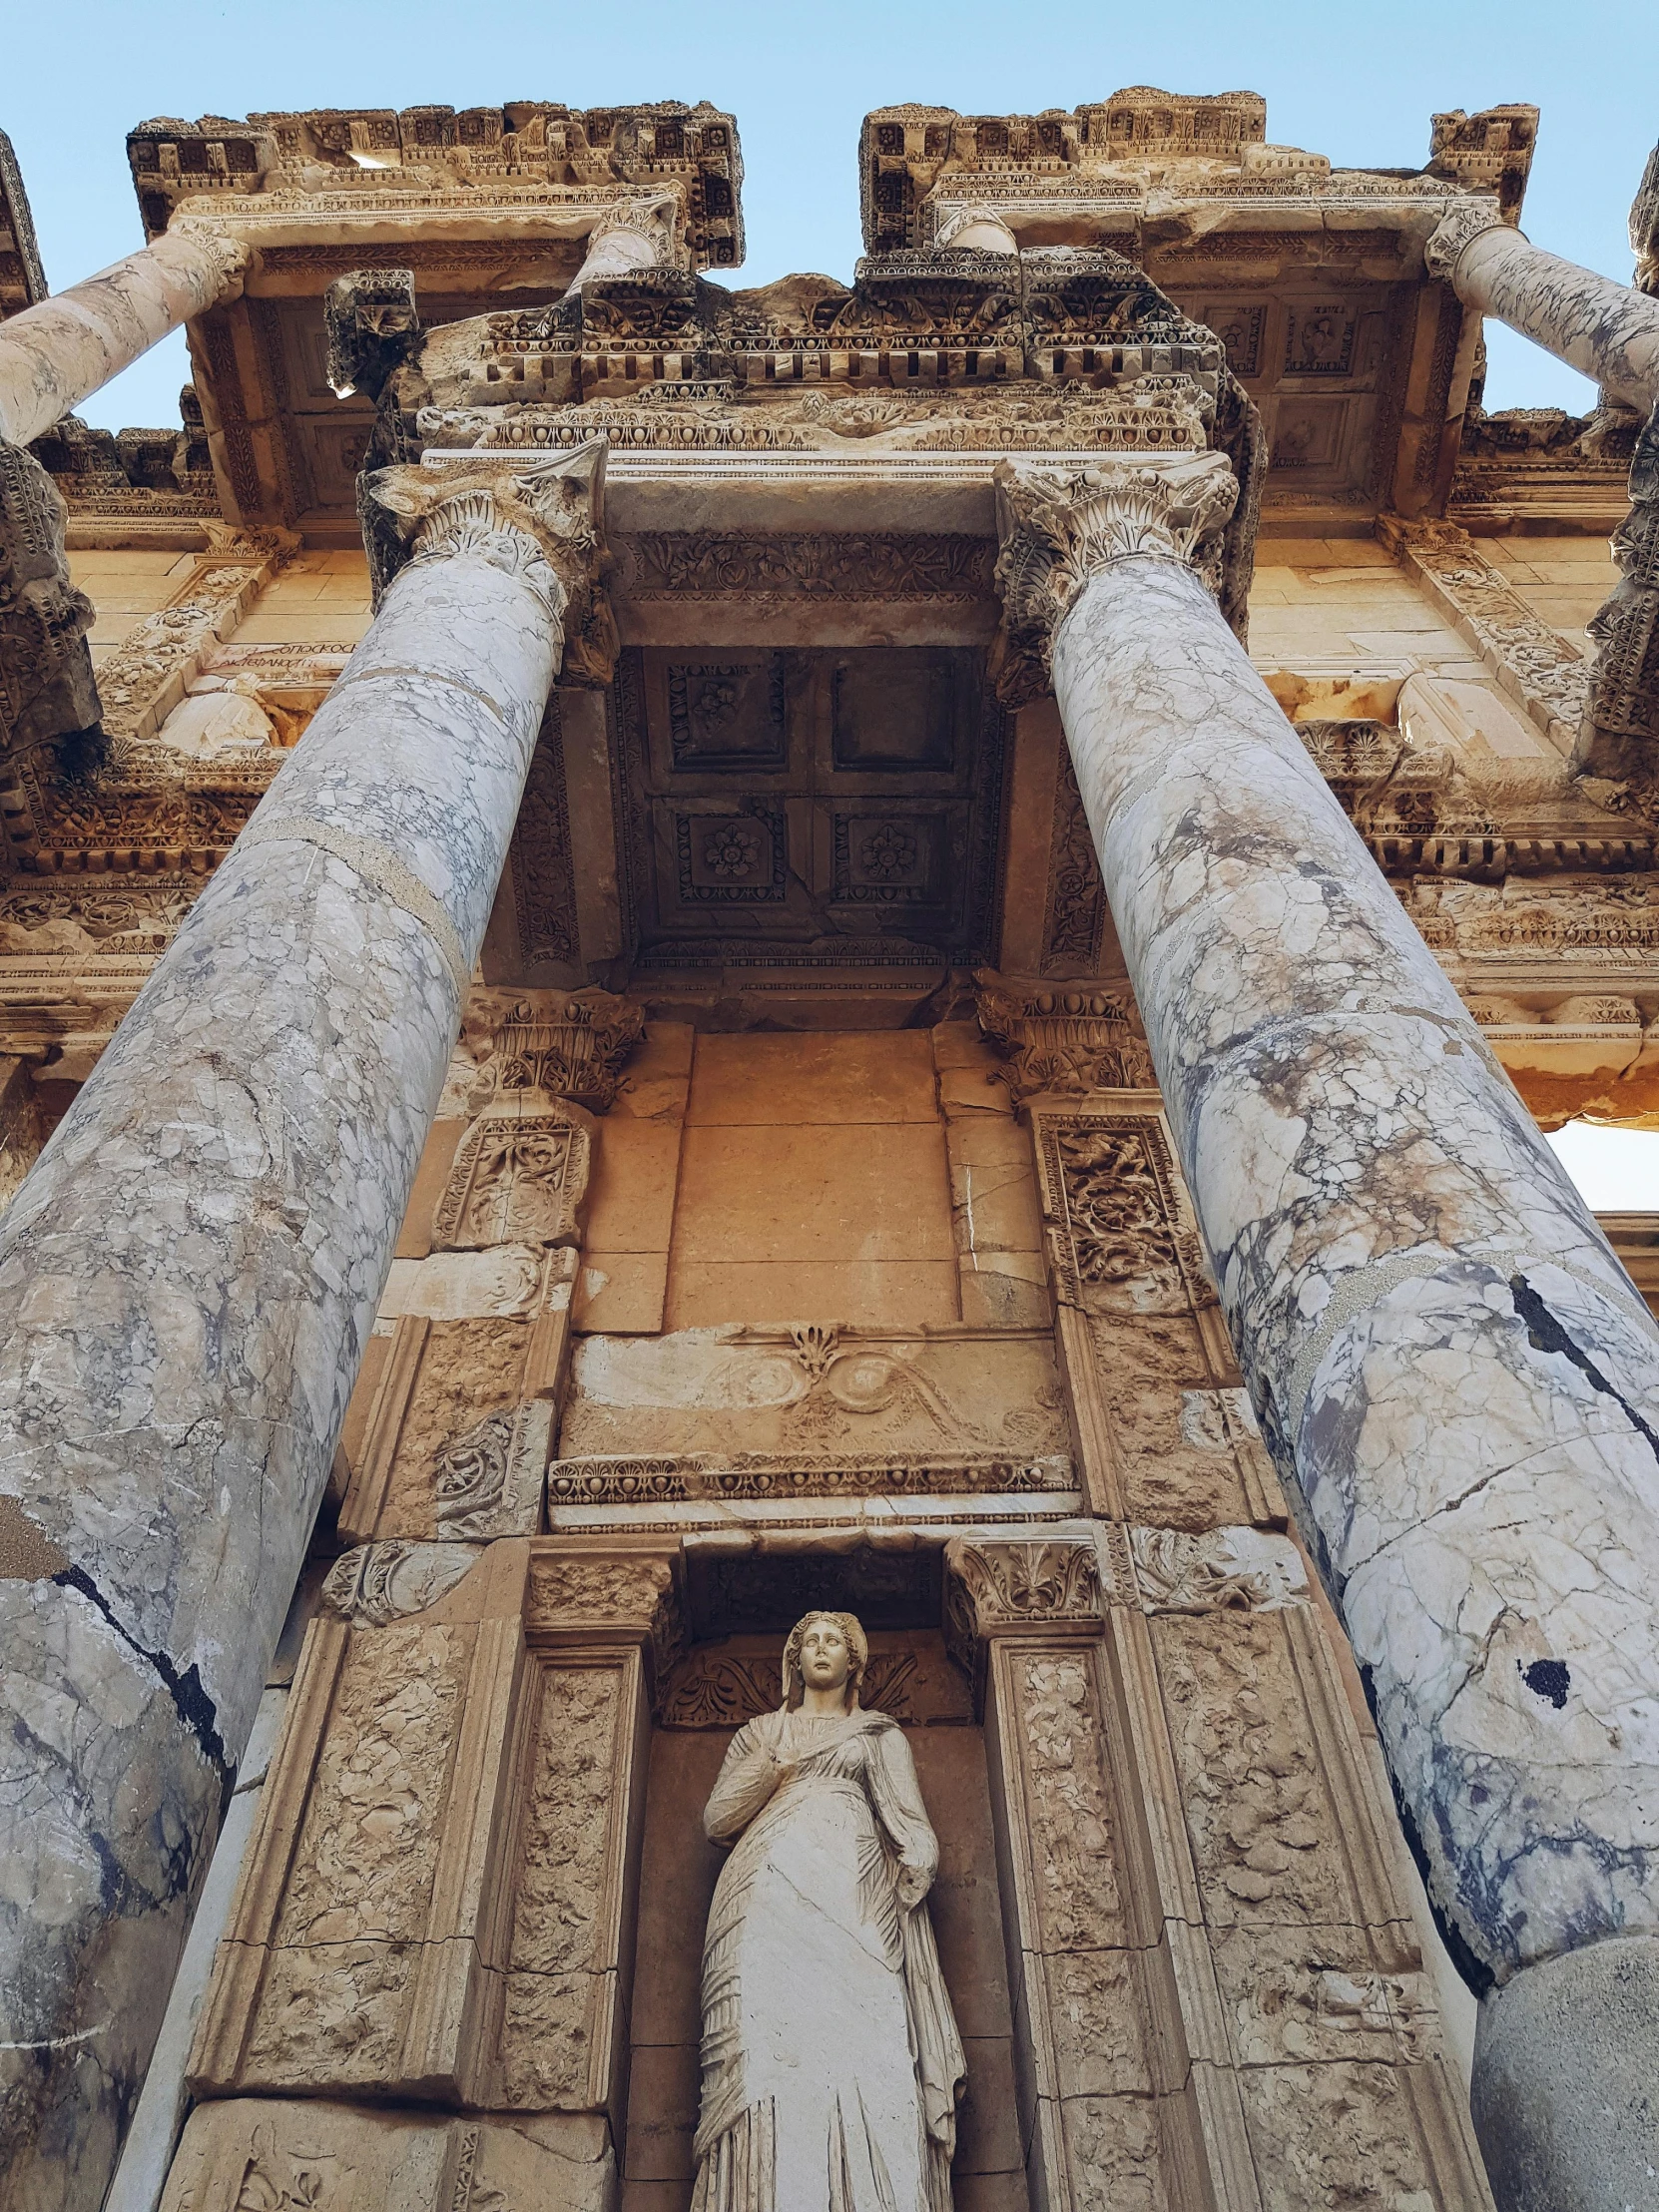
(187,1283)
(1607,331)
(1457,1380)
(57,353)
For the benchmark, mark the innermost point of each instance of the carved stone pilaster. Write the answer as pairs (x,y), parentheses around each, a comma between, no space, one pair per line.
(1462,223)
(998,1590)
(1059,531)
(46,683)
(1064,1042)
(1622,728)
(570,1047)
(541,522)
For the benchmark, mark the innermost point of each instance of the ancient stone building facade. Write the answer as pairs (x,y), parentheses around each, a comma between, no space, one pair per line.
(669,955)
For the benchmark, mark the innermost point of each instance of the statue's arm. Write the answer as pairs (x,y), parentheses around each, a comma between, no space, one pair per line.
(748,1777)
(902,1813)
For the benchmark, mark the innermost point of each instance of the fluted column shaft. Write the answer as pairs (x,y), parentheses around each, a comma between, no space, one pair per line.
(1606,331)
(1458,1383)
(190,1273)
(61,350)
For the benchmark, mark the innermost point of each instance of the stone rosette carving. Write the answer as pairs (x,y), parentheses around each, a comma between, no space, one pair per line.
(1066,1042)
(541,521)
(1463,221)
(1058,532)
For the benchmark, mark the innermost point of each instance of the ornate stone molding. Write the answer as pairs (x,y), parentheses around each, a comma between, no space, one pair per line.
(541,521)
(375,1584)
(1532,662)
(1066,1042)
(1463,221)
(1057,532)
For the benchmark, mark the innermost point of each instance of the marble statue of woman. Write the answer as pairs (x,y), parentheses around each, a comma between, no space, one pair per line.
(832,2064)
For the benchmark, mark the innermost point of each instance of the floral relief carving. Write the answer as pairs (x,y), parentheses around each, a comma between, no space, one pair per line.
(1025,1582)
(355,1907)
(1078,1902)
(488,1481)
(1256,1803)
(559,1954)
(518,1178)
(1121,1237)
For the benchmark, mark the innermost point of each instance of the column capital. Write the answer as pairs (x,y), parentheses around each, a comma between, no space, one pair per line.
(1059,529)
(217,257)
(539,520)
(1463,221)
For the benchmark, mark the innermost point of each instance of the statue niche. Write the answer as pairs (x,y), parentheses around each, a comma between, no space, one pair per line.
(832,2064)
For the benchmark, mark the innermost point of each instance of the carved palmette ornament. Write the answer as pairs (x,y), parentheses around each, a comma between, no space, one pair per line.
(520,1176)
(714,1689)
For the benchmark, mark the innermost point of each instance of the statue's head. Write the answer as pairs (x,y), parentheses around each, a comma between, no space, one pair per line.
(826,1651)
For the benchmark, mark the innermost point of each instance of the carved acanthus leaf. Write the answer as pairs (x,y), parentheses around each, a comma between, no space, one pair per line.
(1463,221)
(1059,531)
(539,520)
(1070,1042)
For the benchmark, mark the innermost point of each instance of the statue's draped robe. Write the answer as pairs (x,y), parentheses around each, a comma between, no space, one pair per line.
(832,2064)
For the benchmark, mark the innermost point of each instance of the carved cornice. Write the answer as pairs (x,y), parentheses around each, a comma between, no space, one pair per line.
(1058,532)
(541,522)
(1463,221)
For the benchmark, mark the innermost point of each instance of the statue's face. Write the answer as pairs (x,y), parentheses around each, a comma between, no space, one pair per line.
(825,1661)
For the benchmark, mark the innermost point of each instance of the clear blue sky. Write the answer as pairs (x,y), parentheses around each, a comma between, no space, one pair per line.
(1356,83)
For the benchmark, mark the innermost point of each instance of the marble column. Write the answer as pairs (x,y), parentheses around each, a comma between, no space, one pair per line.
(1607,331)
(57,353)
(639,235)
(1457,1382)
(190,1273)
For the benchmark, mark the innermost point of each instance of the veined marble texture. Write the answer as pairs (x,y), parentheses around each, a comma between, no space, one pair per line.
(1456,1378)
(188,1279)
(56,352)
(1607,331)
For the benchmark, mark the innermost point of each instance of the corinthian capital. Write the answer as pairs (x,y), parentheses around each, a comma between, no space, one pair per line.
(541,522)
(1058,530)
(1463,221)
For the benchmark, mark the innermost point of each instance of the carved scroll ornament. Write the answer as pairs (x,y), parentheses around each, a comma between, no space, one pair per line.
(1059,531)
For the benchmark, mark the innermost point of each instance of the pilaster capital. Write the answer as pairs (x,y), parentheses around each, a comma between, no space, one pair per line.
(1059,530)
(1463,221)
(47,691)
(541,522)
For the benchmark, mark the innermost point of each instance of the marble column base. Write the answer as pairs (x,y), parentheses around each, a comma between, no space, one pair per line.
(1565,2093)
